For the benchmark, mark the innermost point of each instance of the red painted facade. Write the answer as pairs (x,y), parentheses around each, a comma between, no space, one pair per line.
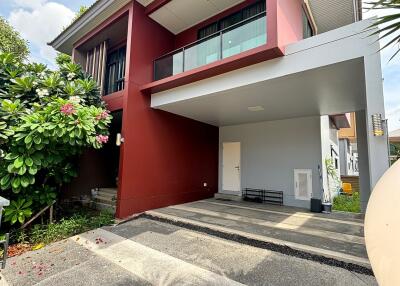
(166,159)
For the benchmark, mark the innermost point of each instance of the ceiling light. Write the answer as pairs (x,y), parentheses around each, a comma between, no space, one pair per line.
(255,108)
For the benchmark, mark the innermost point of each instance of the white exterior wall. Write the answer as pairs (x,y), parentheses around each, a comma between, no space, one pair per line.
(329,141)
(271,150)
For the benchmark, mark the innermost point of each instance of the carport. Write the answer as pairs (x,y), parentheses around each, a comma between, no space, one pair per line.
(274,109)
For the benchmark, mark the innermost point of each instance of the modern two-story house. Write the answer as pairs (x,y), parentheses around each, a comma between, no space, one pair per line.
(214,96)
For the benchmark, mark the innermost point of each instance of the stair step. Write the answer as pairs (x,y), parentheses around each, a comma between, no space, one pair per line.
(106,200)
(102,206)
(107,195)
(226,197)
(108,190)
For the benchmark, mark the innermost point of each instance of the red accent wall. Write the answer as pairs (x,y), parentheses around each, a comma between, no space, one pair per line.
(165,158)
(290,21)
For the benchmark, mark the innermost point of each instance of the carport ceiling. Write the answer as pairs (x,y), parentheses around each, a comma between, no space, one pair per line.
(329,90)
(330,15)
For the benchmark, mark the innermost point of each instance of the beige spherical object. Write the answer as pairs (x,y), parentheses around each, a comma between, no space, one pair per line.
(382,228)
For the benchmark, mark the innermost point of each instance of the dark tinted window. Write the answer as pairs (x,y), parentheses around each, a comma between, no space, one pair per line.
(115,71)
(232,19)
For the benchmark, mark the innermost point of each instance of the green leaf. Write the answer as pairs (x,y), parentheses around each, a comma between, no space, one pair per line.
(21,218)
(11,156)
(10,168)
(28,139)
(14,219)
(33,170)
(24,182)
(29,162)
(16,182)
(27,204)
(18,162)
(37,140)
(5,180)
(22,170)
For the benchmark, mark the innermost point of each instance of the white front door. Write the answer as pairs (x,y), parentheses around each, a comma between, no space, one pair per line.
(231,167)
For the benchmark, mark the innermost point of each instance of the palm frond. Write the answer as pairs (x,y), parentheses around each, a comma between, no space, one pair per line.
(388,25)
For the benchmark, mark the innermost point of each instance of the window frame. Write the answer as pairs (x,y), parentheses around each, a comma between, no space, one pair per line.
(241,17)
(118,82)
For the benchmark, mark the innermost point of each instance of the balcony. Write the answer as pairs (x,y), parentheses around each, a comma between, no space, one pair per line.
(243,36)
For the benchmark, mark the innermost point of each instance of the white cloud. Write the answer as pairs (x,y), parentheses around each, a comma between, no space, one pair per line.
(32,4)
(39,22)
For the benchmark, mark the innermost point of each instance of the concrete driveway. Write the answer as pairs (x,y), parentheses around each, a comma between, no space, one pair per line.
(149,252)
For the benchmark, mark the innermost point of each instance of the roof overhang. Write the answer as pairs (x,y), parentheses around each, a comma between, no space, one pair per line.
(176,16)
(100,11)
(329,90)
(329,15)
(179,15)
(341,120)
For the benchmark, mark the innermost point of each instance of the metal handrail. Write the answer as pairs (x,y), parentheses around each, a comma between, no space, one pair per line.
(219,33)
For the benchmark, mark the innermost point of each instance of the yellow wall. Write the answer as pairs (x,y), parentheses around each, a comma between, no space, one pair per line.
(349,133)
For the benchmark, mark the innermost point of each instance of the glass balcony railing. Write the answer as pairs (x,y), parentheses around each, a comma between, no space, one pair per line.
(243,36)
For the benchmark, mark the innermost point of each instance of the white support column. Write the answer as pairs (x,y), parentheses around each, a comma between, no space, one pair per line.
(373,150)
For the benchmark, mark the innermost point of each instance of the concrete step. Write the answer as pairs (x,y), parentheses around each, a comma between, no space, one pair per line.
(299,212)
(107,195)
(306,240)
(288,224)
(283,215)
(104,206)
(226,197)
(111,191)
(105,200)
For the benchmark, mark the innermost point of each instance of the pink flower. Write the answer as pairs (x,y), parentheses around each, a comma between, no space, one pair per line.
(102,115)
(102,139)
(68,109)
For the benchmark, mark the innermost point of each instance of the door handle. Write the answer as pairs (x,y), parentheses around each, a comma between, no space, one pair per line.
(237,168)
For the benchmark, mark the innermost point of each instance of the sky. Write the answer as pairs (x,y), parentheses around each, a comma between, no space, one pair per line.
(40,21)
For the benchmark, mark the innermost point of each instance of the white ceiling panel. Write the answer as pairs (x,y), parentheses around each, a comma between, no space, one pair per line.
(166,16)
(330,15)
(179,15)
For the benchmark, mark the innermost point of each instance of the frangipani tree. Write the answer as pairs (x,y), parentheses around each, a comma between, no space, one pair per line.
(47,119)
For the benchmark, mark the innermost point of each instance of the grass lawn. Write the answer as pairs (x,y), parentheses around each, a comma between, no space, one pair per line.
(41,234)
(347,203)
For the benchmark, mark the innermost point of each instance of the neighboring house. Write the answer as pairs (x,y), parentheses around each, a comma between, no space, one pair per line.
(394,139)
(349,155)
(221,95)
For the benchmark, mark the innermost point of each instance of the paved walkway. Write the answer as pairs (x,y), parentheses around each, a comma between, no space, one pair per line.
(148,252)
(339,235)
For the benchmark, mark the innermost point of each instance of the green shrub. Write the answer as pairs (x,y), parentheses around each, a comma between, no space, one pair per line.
(347,203)
(62,229)
(47,119)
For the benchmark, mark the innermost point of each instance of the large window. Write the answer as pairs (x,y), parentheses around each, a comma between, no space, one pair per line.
(232,19)
(115,71)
